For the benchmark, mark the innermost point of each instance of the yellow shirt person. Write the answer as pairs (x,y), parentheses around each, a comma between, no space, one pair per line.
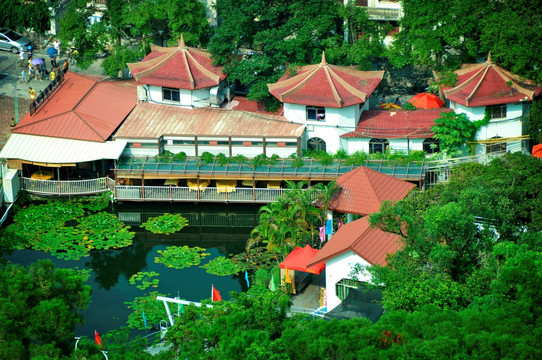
(32,93)
(52,75)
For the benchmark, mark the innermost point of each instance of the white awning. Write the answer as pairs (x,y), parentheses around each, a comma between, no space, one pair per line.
(59,151)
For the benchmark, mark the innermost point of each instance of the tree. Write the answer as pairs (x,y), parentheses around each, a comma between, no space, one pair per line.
(535,121)
(449,232)
(39,308)
(228,329)
(453,131)
(272,34)
(439,34)
(76,30)
(510,31)
(28,15)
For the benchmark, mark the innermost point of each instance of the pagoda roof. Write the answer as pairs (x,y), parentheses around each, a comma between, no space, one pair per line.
(488,84)
(179,67)
(326,85)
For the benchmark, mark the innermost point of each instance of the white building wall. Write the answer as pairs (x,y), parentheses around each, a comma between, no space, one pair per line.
(200,98)
(511,126)
(337,122)
(339,268)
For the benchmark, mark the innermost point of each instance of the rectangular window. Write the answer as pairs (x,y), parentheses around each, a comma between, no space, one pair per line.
(497,111)
(183,142)
(171,94)
(343,286)
(316,113)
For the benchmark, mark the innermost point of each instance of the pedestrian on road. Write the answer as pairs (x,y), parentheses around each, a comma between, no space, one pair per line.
(52,75)
(32,93)
(56,45)
(43,68)
(37,73)
(65,66)
(23,76)
(21,59)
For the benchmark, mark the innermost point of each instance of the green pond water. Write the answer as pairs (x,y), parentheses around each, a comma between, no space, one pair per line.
(219,228)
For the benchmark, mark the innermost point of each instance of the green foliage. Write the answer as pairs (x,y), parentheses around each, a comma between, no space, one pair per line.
(206,158)
(254,259)
(154,311)
(222,266)
(180,257)
(453,130)
(43,227)
(165,224)
(120,56)
(40,306)
(145,278)
(228,329)
(535,121)
(23,16)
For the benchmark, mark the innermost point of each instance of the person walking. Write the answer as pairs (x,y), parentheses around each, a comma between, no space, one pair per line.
(52,75)
(65,66)
(23,76)
(32,93)
(37,73)
(43,68)
(21,60)
(56,45)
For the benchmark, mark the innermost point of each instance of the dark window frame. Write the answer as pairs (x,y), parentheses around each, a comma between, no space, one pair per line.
(171,94)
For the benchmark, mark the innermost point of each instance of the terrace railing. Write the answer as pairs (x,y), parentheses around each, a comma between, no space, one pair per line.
(280,169)
(66,187)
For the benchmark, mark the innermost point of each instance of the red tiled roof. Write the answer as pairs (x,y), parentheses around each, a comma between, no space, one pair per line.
(371,244)
(362,190)
(82,108)
(241,103)
(178,67)
(384,124)
(149,120)
(488,84)
(326,85)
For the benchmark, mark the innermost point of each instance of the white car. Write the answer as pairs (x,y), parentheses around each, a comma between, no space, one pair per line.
(12,41)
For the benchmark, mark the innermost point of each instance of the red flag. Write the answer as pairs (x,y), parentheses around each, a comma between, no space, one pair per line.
(215,295)
(98,339)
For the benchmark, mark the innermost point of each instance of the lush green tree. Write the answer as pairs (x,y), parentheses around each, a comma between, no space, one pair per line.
(535,122)
(272,34)
(449,232)
(29,15)
(167,19)
(39,308)
(453,131)
(293,220)
(510,32)
(77,31)
(228,329)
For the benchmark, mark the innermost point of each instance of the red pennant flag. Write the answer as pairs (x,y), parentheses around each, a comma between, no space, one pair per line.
(97,338)
(215,295)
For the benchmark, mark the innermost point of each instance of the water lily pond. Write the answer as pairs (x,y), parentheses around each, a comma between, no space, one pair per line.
(120,275)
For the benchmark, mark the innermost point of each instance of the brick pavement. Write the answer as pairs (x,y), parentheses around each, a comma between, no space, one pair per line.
(7,112)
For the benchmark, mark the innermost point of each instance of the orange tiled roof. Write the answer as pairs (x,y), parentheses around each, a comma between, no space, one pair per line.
(326,85)
(415,124)
(179,67)
(362,190)
(83,107)
(149,120)
(371,244)
(488,84)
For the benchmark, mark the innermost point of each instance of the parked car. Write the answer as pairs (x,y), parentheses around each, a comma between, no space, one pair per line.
(12,41)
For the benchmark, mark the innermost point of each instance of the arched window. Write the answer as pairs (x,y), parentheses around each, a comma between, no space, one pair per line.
(495,147)
(316,144)
(378,146)
(431,145)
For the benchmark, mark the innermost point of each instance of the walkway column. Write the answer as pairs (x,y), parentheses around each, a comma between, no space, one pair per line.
(349,218)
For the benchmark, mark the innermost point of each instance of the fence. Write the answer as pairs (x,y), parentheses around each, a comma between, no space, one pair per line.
(68,187)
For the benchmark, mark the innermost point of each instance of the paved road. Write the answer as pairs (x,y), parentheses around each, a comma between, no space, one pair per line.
(10,87)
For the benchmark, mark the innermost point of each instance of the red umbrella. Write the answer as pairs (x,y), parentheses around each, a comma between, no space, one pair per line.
(537,151)
(426,101)
(389,106)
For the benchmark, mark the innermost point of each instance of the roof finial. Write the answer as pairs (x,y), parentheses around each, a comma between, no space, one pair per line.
(323,63)
(181,42)
(489,58)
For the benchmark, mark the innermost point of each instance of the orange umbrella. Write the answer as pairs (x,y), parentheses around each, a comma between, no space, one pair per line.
(389,106)
(426,101)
